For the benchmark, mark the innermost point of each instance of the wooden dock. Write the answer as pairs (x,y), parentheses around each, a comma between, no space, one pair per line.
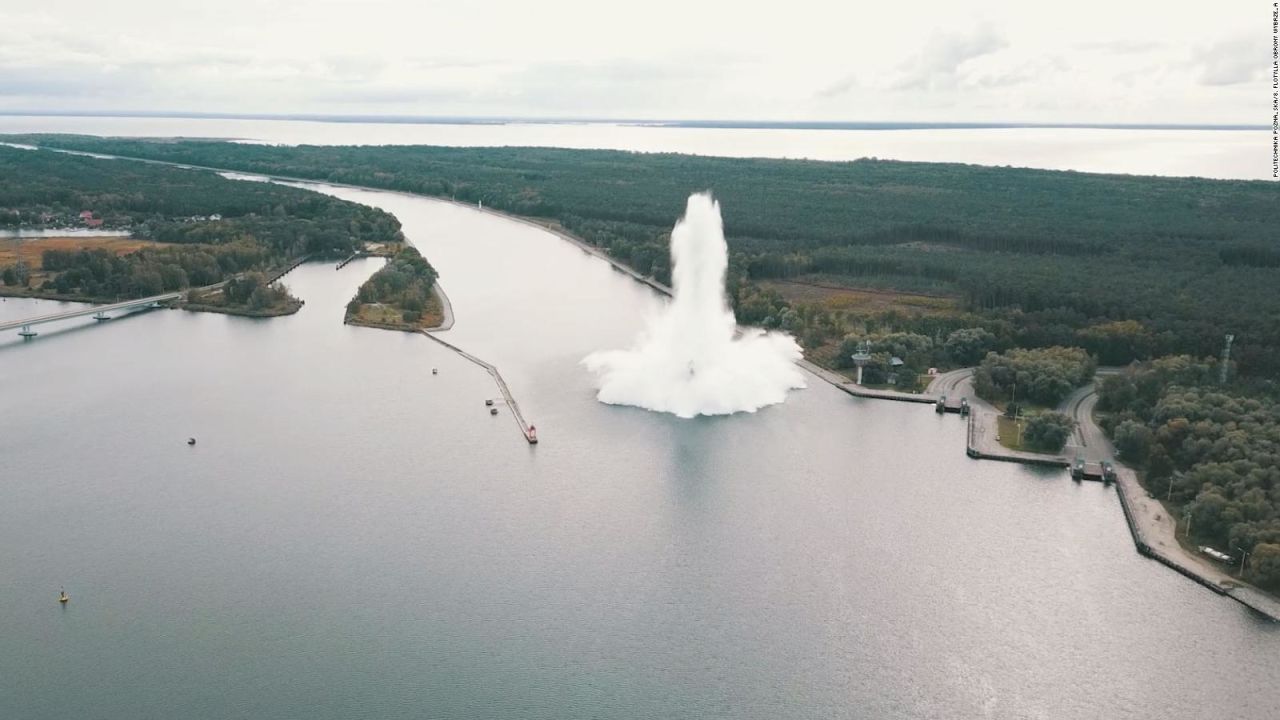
(285,271)
(347,260)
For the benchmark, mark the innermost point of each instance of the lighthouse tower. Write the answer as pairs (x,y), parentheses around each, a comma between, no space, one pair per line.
(861,358)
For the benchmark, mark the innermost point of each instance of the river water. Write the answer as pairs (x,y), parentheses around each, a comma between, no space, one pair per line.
(1238,154)
(355,537)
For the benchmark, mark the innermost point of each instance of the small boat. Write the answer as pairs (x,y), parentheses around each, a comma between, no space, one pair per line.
(63,597)
(532,435)
(191,441)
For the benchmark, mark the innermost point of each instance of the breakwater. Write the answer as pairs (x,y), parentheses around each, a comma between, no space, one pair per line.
(526,429)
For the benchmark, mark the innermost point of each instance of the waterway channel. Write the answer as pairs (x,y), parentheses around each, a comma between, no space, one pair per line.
(355,537)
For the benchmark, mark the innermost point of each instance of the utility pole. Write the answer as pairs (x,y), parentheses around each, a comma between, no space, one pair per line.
(1187,516)
(1244,554)
(1226,358)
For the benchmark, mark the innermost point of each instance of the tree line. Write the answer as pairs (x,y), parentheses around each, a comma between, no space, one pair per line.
(207,228)
(404,285)
(1128,268)
(1212,451)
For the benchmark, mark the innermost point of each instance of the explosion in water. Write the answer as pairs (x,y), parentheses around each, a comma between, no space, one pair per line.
(691,360)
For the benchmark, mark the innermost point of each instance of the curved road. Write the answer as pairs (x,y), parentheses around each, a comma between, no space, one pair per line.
(1091,441)
(1152,522)
(948,383)
(959,382)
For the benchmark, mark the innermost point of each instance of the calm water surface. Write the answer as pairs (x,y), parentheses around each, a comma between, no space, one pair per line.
(353,537)
(1241,154)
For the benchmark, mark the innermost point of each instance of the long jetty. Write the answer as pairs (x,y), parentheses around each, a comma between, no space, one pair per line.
(347,260)
(525,428)
(288,269)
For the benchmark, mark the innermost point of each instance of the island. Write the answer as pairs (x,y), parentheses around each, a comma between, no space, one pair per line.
(401,295)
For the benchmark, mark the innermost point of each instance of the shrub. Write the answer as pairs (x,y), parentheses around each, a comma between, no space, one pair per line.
(1048,431)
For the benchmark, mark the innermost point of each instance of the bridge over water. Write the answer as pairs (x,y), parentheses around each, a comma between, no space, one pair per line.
(99,312)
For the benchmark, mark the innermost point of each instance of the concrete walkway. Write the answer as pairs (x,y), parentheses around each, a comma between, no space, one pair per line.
(984,443)
(446,308)
(1154,530)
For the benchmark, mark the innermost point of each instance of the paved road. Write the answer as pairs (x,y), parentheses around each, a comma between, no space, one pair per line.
(1152,521)
(959,383)
(948,382)
(1088,439)
(90,310)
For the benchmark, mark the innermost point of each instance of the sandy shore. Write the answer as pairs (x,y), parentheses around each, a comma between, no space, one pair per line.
(446,309)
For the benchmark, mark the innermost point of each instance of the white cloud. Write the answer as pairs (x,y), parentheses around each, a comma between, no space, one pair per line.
(1233,61)
(939,64)
(812,59)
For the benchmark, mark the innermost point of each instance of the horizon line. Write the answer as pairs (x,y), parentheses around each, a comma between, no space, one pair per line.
(646,122)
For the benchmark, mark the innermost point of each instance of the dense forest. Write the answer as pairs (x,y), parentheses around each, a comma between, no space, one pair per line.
(399,294)
(1125,267)
(206,228)
(1044,376)
(1213,452)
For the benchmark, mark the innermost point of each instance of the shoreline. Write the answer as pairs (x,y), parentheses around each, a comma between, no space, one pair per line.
(288,309)
(1190,566)
(446,308)
(1258,598)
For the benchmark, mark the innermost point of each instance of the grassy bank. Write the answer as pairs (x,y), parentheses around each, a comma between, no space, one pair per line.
(401,295)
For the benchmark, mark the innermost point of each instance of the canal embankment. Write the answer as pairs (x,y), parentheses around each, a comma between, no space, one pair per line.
(1132,495)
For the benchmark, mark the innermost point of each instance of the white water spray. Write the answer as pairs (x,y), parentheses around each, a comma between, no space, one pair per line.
(691,360)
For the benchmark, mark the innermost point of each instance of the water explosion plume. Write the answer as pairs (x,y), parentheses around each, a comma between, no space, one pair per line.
(691,359)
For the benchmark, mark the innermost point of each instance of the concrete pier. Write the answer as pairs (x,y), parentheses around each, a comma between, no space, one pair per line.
(527,430)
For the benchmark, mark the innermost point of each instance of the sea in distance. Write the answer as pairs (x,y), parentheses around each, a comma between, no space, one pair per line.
(1238,152)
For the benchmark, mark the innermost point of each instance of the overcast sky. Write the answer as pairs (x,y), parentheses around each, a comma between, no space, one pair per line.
(1109,61)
